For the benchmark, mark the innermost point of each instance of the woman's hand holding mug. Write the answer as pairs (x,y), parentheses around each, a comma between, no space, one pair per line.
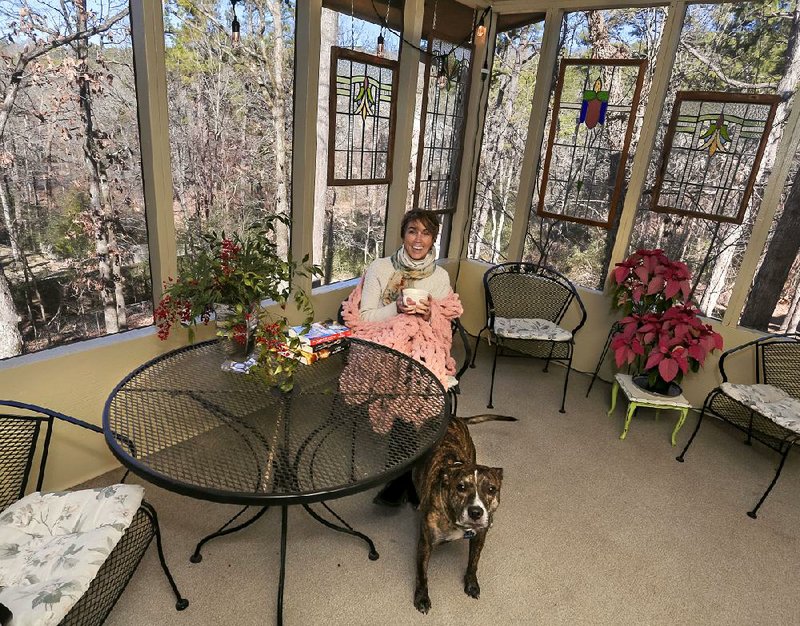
(414,302)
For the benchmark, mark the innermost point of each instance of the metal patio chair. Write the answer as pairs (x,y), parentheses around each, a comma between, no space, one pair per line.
(25,442)
(525,304)
(767,411)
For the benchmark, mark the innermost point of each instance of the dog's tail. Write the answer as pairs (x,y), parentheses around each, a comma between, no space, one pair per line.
(488,417)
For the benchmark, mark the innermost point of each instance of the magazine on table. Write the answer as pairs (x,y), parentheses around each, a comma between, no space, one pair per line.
(320,332)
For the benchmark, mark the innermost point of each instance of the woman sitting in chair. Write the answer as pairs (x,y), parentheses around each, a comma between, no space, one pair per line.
(416,324)
(377,309)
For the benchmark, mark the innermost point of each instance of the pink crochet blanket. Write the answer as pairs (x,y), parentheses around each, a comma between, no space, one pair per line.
(427,342)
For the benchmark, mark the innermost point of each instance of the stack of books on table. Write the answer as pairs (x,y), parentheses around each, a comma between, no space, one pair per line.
(321,340)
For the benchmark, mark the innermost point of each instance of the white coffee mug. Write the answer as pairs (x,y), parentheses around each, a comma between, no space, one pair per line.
(417,295)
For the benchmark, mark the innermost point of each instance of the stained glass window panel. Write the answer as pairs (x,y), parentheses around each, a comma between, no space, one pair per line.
(594,111)
(362,109)
(440,154)
(713,147)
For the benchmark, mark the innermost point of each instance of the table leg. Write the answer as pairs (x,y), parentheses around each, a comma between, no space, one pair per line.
(224,530)
(284,524)
(631,410)
(373,553)
(614,392)
(681,420)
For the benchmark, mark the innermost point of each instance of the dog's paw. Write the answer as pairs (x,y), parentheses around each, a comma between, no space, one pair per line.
(471,586)
(422,601)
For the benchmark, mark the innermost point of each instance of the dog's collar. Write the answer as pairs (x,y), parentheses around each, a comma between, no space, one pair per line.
(469,533)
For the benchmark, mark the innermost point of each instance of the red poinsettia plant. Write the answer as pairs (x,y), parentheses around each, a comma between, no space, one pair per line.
(662,336)
(665,346)
(648,280)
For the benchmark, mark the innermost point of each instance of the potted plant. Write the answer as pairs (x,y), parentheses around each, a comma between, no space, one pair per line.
(648,281)
(229,277)
(662,336)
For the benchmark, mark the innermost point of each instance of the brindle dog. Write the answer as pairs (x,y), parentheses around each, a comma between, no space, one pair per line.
(457,499)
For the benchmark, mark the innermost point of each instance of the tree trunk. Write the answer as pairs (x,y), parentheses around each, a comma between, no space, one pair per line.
(10,337)
(330,246)
(792,320)
(278,118)
(774,271)
(9,218)
(98,184)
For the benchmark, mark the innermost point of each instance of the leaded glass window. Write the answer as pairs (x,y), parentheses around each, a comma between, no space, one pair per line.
(711,154)
(362,118)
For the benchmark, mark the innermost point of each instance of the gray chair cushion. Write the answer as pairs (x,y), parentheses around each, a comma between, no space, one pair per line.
(531,329)
(769,401)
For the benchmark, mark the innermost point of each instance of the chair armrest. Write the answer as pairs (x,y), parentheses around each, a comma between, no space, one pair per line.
(583,312)
(35,408)
(54,414)
(456,324)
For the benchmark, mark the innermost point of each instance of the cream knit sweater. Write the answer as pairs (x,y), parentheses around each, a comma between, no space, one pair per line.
(377,277)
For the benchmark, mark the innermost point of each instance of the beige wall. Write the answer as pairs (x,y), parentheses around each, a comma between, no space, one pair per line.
(77,383)
(78,379)
(590,339)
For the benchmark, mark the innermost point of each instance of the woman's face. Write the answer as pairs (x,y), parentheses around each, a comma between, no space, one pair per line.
(417,240)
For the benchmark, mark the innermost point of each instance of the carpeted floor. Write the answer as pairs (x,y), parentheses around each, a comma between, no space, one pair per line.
(591,530)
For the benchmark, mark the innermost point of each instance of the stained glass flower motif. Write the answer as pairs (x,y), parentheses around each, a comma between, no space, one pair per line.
(594,105)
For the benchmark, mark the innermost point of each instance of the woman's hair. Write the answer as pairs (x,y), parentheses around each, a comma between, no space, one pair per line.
(429,220)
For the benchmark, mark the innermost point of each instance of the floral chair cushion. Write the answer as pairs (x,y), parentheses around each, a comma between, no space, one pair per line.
(771,402)
(53,544)
(520,328)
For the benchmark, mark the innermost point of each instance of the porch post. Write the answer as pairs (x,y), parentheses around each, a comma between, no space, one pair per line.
(304,152)
(406,100)
(474,118)
(533,146)
(147,27)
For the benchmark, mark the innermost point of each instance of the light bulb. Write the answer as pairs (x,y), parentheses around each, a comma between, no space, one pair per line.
(379,49)
(441,81)
(481,30)
(235,31)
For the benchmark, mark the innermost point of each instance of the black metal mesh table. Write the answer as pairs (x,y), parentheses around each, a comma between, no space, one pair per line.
(352,421)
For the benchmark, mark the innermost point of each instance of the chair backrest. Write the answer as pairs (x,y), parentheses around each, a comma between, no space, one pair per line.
(19,437)
(778,362)
(527,290)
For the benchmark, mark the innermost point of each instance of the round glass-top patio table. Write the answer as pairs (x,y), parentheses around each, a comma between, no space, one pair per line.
(352,421)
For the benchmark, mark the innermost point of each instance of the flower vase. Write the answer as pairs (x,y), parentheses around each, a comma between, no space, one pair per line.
(657,386)
(237,343)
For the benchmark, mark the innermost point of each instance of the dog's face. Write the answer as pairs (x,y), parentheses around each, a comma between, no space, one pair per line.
(472,494)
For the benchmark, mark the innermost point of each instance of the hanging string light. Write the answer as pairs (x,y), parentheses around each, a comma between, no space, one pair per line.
(480,31)
(234,25)
(441,76)
(381,41)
